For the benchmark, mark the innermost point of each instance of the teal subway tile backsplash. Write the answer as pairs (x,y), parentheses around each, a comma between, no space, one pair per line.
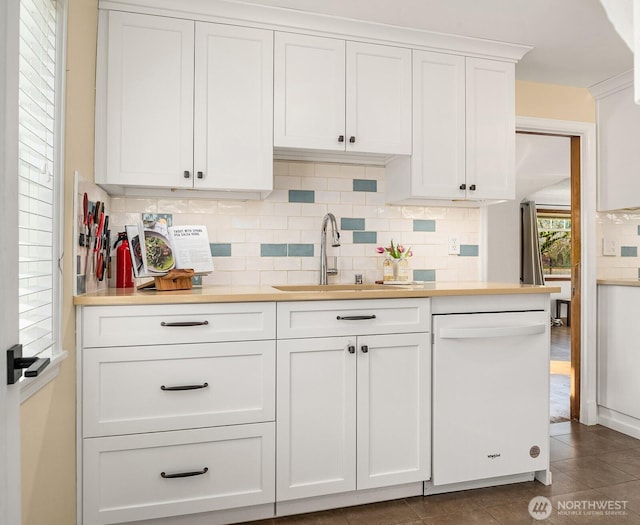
(638,230)
(273,250)
(420,225)
(365,185)
(351,224)
(365,237)
(300,250)
(468,250)
(424,275)
(628,251)
(220,249)
(306,196)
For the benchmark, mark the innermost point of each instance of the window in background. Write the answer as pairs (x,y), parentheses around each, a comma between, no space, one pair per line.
(554,230)
(40,177)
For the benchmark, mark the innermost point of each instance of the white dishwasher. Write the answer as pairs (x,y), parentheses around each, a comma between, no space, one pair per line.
(490,396)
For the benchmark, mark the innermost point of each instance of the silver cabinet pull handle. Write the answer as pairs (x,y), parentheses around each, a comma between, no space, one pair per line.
(183,387)
(184,474)
(186,323)
(355,317)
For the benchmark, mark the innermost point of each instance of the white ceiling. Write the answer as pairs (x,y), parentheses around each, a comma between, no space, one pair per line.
(574,42)
(543,169)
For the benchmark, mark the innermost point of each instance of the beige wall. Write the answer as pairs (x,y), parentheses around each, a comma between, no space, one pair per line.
(552,101)
(49,417)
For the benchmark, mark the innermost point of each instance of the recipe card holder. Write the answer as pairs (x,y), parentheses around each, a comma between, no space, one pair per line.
(173,280)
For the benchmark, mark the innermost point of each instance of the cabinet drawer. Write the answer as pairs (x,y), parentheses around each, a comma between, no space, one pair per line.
(334,318)
(167,324)
(122,478)
(149,388)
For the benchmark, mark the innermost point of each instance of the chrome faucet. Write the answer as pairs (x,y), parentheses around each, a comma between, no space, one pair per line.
(335,241)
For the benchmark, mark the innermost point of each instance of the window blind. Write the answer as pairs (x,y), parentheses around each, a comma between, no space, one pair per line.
(37,180)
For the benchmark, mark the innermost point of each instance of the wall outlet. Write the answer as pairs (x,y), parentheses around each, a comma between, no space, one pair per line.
(454,245)
(609,247)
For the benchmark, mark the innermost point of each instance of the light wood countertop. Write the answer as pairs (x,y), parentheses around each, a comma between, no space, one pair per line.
(619,282)
(239,294)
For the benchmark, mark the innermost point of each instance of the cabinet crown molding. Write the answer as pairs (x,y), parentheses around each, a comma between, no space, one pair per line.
(284,19)
(612,85)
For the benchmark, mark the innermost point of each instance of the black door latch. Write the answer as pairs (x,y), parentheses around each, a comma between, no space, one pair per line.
(16,363)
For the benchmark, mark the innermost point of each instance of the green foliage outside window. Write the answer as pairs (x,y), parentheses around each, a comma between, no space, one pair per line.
(555,244)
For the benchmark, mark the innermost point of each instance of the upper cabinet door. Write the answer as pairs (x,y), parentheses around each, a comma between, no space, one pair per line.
(233,123)
(378,99)
(490,129)
(309,92)
(438,125)
(149,109)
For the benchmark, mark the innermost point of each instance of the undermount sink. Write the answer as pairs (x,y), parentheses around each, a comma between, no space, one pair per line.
(329,287)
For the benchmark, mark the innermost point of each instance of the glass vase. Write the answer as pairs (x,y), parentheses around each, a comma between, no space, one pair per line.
(388,270)
(403,270)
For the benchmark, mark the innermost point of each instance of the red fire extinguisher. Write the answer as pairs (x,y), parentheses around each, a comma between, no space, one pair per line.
(124,274)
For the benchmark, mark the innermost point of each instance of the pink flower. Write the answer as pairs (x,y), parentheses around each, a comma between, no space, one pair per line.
(380,249)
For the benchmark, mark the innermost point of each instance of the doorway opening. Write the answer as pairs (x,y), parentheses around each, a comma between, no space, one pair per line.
(549,175)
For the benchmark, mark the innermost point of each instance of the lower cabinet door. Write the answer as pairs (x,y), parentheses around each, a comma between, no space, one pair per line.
(147,476)
(394,409)
(316,404)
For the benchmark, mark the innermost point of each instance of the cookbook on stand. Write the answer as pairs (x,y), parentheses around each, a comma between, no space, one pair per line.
(157,248)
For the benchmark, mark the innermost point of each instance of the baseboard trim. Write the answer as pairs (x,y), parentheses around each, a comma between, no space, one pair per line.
(347,499)
(617,421)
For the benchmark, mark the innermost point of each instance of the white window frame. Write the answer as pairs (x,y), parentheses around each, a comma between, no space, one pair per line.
(29,386)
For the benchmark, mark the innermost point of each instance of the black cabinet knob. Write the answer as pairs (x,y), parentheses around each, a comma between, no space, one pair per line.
(352,139)
(341,138)
(187,174)
(463,186)
(352,349)
(200,175)
(472,187)
(364,349)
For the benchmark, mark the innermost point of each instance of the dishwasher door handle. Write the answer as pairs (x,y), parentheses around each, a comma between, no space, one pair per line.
(491,332)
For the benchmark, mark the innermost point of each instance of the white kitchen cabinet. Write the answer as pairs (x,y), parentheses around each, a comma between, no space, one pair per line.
(148,97)
(341,96)
(353,411)
(463,133)
(160,474)
(175,389)
(491,123)
(316,449)
(170,387)
(233,126)
(394,409)
(183,104)
(618,357)
(618,124)
(309,97)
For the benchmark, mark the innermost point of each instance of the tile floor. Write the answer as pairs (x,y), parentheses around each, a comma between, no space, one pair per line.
(592,464)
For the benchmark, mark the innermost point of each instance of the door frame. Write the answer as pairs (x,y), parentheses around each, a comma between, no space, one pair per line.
(587,307)
(10,459)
